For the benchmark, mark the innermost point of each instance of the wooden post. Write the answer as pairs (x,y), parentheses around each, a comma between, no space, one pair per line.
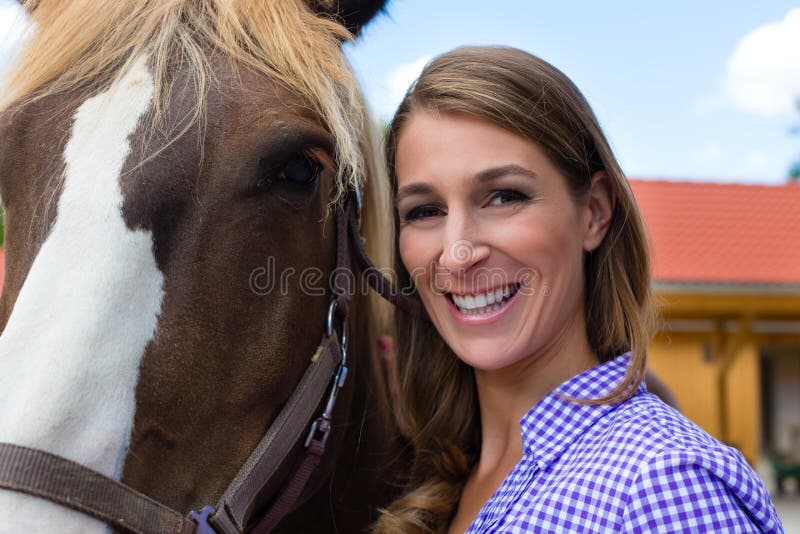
(727,346)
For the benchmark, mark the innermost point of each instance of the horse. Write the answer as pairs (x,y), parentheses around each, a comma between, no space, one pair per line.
(170,171)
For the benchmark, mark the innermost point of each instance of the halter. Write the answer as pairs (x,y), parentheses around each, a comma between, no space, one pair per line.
(57,479)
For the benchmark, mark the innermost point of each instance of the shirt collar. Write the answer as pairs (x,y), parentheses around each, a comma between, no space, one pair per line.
(555,421)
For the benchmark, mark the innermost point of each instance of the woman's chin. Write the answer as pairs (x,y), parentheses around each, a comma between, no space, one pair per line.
(486,356)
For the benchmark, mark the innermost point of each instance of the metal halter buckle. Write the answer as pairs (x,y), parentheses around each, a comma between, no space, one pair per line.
(322,424)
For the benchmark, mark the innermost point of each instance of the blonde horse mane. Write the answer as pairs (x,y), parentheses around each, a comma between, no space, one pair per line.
(91,43)
(84,42)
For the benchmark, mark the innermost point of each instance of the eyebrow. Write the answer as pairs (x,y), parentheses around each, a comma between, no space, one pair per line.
(498,172)
(485,176)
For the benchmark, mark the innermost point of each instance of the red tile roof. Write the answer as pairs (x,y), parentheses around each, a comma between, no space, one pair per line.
(722,233)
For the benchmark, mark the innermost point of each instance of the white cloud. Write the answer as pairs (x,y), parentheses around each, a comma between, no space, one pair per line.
(396,84)
(763,74)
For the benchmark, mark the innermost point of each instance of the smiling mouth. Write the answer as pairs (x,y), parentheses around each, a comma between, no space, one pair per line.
(483,302)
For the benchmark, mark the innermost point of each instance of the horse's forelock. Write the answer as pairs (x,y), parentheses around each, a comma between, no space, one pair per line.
(79,42)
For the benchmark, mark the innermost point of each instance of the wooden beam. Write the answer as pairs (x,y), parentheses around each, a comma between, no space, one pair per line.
(726,348)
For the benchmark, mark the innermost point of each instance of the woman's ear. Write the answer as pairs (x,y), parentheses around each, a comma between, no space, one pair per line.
(599,211)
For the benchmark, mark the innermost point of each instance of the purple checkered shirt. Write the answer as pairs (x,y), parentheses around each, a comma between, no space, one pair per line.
(635,466)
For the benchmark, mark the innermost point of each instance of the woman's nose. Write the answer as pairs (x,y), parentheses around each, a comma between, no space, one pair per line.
(462,247)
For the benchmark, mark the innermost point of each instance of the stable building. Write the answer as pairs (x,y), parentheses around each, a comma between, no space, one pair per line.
(726,267)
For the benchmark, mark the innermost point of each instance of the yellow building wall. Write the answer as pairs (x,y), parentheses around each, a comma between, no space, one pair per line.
(680,360)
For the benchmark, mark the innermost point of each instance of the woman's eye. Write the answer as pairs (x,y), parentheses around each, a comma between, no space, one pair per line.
(505,196)
(301,169)
(423,212)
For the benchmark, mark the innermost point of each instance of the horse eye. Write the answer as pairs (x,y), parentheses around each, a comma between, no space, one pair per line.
(301,169)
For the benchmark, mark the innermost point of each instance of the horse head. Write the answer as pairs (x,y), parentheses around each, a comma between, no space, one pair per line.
(169,171)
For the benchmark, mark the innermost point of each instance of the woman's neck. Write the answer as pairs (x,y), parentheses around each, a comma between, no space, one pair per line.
(506,395)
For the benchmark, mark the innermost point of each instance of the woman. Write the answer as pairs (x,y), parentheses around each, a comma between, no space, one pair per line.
(523,394)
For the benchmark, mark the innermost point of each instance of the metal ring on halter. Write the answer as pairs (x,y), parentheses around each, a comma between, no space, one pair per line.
(331,309)
(342,335)
(322,424)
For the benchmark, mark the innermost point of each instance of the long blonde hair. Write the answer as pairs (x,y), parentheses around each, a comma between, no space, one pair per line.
(527,96)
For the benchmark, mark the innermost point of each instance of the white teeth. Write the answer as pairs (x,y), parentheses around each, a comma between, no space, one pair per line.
(484,302)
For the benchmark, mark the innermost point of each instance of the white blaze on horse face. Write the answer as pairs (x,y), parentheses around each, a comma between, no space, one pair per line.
(70,353)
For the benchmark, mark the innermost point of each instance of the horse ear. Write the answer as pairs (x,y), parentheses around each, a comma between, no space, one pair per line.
(353,14)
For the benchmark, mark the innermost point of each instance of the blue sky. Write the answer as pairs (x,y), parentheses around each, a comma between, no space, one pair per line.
(661,76)
(684,90)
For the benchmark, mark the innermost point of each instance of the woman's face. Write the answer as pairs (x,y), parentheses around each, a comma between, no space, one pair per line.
(492,238)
